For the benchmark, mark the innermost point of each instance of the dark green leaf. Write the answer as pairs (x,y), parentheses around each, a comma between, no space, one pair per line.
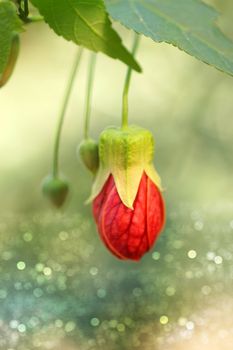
(86,23)
(187,24)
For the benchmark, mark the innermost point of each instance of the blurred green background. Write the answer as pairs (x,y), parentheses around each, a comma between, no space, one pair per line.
(59,287)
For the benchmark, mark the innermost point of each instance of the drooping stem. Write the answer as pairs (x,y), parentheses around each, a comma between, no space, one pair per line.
(63,111)
(26,10)
(89,91)
(24,14)
(23,11)
(126,87)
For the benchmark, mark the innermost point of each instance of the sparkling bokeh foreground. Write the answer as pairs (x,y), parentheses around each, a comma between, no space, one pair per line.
(60,288)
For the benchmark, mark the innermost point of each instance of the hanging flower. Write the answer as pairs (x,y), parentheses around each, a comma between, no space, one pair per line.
(127,203)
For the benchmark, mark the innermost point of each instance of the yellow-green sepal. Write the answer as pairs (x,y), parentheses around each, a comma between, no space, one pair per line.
(100,179)
(125,154)
(151,172)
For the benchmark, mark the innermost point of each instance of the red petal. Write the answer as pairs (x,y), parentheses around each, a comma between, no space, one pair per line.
(128,233)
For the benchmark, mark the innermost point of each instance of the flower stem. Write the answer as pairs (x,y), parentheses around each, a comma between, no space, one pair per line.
(63,111)
(125,108)
(92,63)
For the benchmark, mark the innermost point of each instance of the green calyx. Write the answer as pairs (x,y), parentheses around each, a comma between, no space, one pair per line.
(12,59)
(125,154)
(88,151)
(55,189)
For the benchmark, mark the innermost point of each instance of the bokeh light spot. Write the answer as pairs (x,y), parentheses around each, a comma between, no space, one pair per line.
(95,322)
(21,265)
(155,255)
(163,320)
(218,260)
(93,271)
(27,237)
(192,254)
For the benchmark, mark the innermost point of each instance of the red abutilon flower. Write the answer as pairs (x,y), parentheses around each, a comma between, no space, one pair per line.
(127,203)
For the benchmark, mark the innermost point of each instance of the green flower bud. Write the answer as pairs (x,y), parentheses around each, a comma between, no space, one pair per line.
(88,151)
(13,55)
(55,189)
(125,154)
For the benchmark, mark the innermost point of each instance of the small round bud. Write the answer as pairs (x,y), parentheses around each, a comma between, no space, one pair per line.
(10,65)
(89,153)
(55,189)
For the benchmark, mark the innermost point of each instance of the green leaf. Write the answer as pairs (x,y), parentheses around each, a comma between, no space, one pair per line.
(9,25)
(86,23)
(187,24)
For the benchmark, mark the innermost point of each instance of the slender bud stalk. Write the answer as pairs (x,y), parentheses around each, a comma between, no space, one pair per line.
(63,111)
(125,109)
